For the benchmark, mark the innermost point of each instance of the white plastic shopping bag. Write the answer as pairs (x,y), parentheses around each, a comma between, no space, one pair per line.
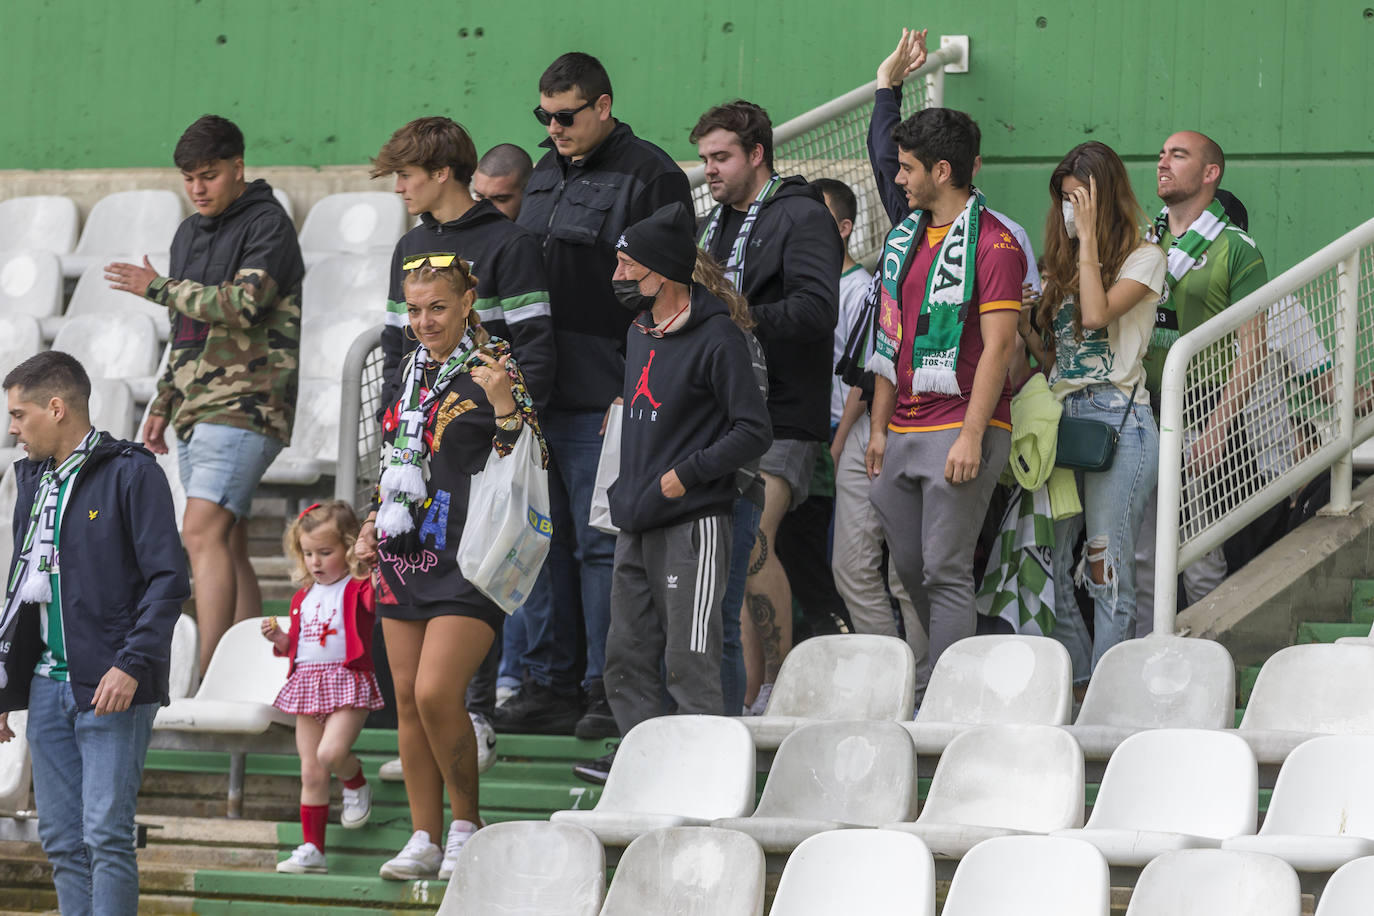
(607,470)
(507,532)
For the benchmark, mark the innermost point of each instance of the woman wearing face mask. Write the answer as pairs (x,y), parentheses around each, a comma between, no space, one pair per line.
(1102,282)
(693,415)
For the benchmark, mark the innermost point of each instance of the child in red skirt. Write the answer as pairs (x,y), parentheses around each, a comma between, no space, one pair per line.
(331,686)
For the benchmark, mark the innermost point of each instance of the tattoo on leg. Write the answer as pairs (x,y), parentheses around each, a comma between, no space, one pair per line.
(761,547)
(763,614)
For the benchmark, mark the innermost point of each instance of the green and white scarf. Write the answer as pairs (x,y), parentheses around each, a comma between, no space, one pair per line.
(944,308)
(31,579)
(1183,254)
(1018,585)
(734,265)
(405,466)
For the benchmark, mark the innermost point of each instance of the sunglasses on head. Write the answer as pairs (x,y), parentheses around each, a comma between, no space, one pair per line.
(441,261)
(564,117)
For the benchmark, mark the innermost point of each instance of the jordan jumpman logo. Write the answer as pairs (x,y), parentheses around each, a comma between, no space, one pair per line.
(642,387)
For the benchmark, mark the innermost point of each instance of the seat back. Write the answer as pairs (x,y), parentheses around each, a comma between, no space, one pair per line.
(243,667)
(1162,682)
(30,283)
(111,345)
(1349,890)
(1180,781)
(858,772)
(691,766)
(1314,688)
(874,872)
(1030,876)
(93,296)
(984,680)
(285,201)
(1324,789)
(701,870)
(39,223)
(181,678)
(316,432)
(20,337)
(16,767)
(528,867)
(112,407)
(140,222)
(1024,777)
(846,676)
(347,285)
(9,495)
(325,341)
(1218,882)
(356,221)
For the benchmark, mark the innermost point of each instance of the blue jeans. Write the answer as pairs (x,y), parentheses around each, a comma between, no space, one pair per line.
(87,824)
(512,671)
(1113,506)
(580,561)
(732,677)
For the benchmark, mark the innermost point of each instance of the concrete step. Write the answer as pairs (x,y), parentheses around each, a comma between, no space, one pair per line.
(1362,601)
(1314,631)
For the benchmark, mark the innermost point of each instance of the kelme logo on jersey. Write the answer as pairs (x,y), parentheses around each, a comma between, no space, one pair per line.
(541,523)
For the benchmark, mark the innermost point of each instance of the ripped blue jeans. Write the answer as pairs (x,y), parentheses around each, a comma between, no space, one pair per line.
(1113,506)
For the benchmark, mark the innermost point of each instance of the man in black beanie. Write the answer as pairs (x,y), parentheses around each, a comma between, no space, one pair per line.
(692,416)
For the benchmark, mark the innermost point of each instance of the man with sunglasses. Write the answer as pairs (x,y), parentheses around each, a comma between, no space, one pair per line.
(596,179)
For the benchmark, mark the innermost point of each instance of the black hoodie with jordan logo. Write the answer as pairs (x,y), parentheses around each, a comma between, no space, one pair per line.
(693,405)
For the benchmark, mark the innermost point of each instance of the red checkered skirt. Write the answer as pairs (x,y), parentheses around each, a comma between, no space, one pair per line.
(319,688)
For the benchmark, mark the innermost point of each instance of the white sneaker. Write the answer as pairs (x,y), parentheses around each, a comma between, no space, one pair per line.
(486,742)
(459,832)
(306,859)
(357,807)
(391,771)
(419,859)
(760,703)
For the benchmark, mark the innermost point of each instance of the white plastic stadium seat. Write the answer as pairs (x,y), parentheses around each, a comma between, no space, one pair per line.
(181,678)
(846,676)
(237,690)
(873,872)
(1001,780)
(1155,682)
(112,407)
(40,223)
(692,871)
(1172,788)
(132,223)
(528,867)
(354,221)
(325,342)
(1307,690)
(989,680)
(15,768)
(93,296)
(831,775)
(1349,891)
(1321,814)
(673,771)
(30,283)
(1215,882)
(20,338)
(314,449)
(1030,876)
(9,494)
(117,346)
(285,202)
(346,285)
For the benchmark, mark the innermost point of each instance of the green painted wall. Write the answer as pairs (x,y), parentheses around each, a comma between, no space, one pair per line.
(1283,85)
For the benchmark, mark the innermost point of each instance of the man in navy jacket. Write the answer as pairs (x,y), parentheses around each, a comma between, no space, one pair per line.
(95,531)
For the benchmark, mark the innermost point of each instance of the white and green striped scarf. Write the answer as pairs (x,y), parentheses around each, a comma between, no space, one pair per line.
(1018,585)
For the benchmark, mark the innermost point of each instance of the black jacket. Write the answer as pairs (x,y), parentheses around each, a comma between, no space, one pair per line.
(123,576)
(792,282)
(693,405)
(578,210)
(512,297)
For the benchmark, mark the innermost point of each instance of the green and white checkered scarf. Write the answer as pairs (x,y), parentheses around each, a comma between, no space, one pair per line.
(1018,585)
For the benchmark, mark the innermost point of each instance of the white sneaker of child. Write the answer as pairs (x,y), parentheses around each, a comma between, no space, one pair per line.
(357,806)
(306,859)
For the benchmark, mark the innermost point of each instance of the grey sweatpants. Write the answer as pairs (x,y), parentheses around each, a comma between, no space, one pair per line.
(931,527)
(666,595)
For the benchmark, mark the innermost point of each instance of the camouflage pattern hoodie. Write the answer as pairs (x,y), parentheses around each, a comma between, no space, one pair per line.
(235,300)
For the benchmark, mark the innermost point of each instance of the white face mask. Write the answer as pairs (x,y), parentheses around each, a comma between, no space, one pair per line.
(1069,227)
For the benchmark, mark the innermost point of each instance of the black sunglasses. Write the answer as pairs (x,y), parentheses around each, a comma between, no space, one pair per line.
(564,117)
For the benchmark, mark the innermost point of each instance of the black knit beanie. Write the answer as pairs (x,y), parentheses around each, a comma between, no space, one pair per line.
(663,242)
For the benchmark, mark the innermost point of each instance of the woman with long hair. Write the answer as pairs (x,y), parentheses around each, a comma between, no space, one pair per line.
(1096,314)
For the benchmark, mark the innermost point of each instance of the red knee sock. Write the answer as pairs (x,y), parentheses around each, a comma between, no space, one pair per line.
(357,781)
(313,819)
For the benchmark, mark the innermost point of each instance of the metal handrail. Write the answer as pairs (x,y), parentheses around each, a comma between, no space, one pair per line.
(350,412)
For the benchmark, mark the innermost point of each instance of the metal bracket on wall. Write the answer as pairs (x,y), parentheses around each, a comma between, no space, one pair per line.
(960,43)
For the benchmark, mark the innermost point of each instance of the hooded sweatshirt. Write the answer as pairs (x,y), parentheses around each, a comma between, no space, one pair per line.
(512,297)
(692,405)
(792,281)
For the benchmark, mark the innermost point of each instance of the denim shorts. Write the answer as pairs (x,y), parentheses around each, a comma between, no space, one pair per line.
(223,464)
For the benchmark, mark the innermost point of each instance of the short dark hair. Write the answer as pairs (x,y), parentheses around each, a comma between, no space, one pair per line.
(933,134)
(210,138)
(506,159)
(579,71)
(52,374)
(747,121)
(430,143)
(839,197)
(1212,155)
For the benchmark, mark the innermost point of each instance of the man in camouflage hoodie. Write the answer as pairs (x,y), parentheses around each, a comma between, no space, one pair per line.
(229,389)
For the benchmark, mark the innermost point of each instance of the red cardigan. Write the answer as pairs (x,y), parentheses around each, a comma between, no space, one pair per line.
(362,599)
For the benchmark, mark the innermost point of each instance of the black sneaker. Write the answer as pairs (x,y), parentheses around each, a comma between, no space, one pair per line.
(597,721)
(597,770)
(537,710)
